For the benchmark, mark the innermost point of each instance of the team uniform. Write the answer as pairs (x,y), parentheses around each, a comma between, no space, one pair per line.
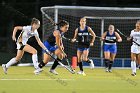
(21,43)
(50,43)
(83,39)
(110,43)
(25,34)
(135,49)
(136,37)
(111,47)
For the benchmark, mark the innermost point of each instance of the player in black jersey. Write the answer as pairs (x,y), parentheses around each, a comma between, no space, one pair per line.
(83,34)
(54,45)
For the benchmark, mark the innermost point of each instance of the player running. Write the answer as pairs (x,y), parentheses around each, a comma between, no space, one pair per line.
(110,38)
(22,46)
(135,48)
(83,33)
(54,45)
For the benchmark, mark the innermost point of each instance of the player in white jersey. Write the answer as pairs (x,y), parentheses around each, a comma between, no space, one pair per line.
(22,46)
(135,48)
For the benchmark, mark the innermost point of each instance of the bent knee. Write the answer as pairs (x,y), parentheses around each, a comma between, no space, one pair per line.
(17,58)
(61,56)
(34,51)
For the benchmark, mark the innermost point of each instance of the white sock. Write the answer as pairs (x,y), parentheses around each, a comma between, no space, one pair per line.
(11,62)
(35,61)
(134,64)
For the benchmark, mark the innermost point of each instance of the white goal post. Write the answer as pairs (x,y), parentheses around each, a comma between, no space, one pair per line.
(98,18)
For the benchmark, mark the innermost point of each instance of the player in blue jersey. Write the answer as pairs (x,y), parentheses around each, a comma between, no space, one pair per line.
(110,38)
(83,34)
(54,45)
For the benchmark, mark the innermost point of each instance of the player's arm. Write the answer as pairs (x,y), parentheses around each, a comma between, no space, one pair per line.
(93,36)
(75,35)
(17,28)
(58,41)
(130,37)
(62,46)
(103,36)
(40,42)
(119,39)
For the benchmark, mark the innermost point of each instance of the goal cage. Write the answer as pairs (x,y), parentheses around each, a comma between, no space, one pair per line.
(98,18)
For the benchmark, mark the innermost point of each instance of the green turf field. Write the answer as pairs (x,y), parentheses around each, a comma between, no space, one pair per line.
(22,80)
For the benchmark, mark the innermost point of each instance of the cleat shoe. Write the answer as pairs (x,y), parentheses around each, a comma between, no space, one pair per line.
(53,72)
(91,64)
(4,68)
(139,66)
(110,70)
(82,73)
(106,70)
(37,71)
(133,74)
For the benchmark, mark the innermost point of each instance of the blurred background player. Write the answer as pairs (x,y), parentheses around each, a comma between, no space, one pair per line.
(82,33)
(110,38)
(54,45)
(135,49)
(22,46)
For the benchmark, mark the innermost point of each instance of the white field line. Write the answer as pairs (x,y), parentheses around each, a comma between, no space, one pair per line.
(34,79)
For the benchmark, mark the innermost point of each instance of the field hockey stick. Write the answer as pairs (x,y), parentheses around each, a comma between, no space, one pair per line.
(127,37)
(104,40)
(70,70)
(49,18)
(69,64)
(63,37)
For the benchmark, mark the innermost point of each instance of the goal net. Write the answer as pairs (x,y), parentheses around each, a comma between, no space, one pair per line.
(98,18)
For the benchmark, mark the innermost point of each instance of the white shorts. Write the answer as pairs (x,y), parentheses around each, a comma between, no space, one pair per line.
(135,49)
(20,46)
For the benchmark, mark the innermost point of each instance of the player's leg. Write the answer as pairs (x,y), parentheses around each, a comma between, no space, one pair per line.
(13,60)
(60,56)
(86,59)
(33,51)
(113,51)
(112,57)
(46,59)
(138,60)
(134,52)
(106,56)
(106,59)
(133,64)
(79,57)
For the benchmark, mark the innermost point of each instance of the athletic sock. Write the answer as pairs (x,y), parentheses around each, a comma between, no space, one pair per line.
(106,61)
(11,62)
(110,65)
(41,64)
(133,66)
(88,61)
(55,63)
(35,61)
(80,66)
